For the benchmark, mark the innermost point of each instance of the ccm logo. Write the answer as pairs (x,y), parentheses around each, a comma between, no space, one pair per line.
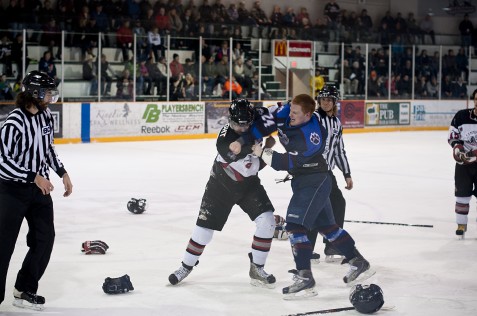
(188,127)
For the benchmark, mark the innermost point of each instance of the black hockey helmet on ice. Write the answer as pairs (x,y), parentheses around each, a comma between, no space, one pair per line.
(241,112)
(329,91)
(40,85)
(366,299)
(137,206)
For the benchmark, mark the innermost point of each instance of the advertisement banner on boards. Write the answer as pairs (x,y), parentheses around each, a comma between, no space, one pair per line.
(56,111)
(351,113)
(387,113)
(435,113)
(217,114)
(146,118)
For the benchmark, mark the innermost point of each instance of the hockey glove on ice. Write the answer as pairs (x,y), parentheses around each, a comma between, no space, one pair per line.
(117,285)
(95,247)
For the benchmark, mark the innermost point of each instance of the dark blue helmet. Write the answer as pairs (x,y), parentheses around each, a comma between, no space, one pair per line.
(366,299)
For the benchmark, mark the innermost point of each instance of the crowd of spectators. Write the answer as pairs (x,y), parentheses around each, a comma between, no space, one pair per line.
(152,21)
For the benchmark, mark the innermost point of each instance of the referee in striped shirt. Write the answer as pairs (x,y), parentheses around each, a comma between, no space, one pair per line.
(26,155)
(335,155)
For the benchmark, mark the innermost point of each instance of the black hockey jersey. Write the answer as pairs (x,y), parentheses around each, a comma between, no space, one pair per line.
(463,130)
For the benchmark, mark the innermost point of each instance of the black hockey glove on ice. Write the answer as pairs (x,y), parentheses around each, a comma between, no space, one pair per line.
(117,285)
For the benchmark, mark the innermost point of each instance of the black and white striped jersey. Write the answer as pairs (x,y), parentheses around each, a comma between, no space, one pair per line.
(26,147)
(334,154)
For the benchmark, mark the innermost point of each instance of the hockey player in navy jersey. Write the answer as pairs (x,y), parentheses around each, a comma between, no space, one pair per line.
(233,181)
(304,140)
(463,140)
(335,155)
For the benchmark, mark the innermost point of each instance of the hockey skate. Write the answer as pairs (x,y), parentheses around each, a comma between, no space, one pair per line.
(28,300)
(332,254)
(180,274)
(303,287)
(315,257)
(359,269)
(258,276)
(461,229)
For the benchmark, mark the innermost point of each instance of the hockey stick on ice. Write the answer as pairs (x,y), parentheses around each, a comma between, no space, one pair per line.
(386,223)
(336,310)
(325,311)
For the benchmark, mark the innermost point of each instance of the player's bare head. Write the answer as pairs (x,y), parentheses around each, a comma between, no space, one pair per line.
(306,102)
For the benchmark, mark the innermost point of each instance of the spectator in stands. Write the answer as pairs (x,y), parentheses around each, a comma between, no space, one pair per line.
(190,67)
(175,27)
(149,20)
(223,50)
(189,28)
(238,52)
(375,86)
(246,18)
(365,27)
(189,87)
(102,22)
(261,19)
(141,40)
(231,85)
(459,89)
(162,22)
(51,36)
(404,86)
(276,21)
(47,65)
(446,88)
(6,55)
(6,92)
(89,74)
(222,71)
(466,29)
(209,74)
(462,63)
(420,88)
(177,87)
(218,8)
(259,89)
(332,11)
(124,39)
(158,78)
(155,43)
(125,85)
(432,87)
(414,32)
(107,74)
(317,82)
(17,55)
(176,67)
(144,81)
(12,12)
(449,64)
(243,80)
(350,79)
(232,14)
(427,28)
(289,18)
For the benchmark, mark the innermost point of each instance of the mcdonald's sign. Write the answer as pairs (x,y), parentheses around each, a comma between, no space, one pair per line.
(281,48)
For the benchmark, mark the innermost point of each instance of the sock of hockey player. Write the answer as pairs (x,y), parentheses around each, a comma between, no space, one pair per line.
(28,300)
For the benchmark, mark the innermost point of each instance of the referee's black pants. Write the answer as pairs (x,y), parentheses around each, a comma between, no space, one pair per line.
(338,203)
(19,201)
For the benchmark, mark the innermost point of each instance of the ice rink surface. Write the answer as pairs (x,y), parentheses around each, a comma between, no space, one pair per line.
(400,177)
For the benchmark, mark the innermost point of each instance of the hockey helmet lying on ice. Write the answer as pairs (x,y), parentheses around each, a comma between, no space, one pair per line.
(137,206)
(366,299)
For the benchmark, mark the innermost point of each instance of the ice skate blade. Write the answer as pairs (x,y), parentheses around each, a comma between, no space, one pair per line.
(315,261)
(334,258)
(18,302)
(363,276)
(301,295)
(259,283)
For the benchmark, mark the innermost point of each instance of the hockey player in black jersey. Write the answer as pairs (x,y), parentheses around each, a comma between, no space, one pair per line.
(463,140)
(335,155)
(26,155)
(233,181)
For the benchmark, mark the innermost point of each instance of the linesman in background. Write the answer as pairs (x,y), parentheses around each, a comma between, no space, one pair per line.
(26,155)
(463,140)
(335,155)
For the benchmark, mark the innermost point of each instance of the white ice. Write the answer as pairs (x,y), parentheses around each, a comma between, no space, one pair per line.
(402,177)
